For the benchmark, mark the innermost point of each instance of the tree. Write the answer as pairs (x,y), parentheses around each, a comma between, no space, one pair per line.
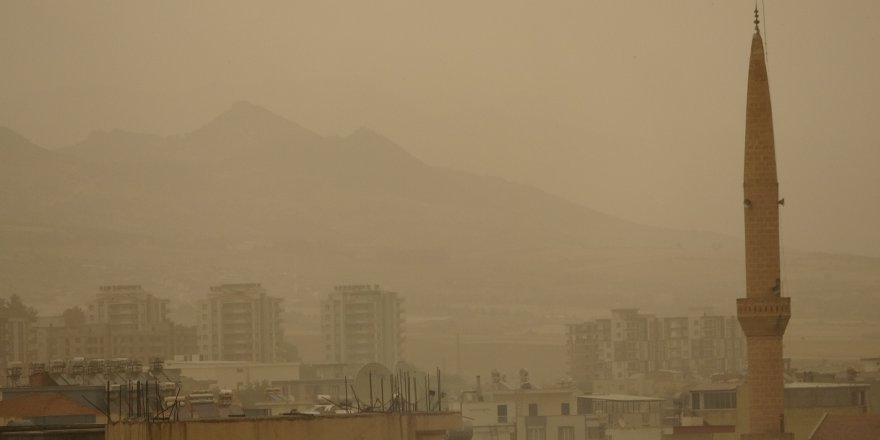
(15,308)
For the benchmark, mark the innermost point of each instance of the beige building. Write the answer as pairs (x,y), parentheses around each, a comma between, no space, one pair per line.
(362,324)
(366,426)
(621,417)
(604,354)
(122,321)
(15,340)
(53,340)
(721,411)
(240,322)
(524,412)
(127,308)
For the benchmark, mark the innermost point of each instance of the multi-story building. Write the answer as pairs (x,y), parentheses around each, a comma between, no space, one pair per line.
(15,341)
(52,339)
(123,321)
(15,321)
(612,416)
(126,308)
(240,322)
(702,344)
(362,323)
(631,344)
(720,411)
(523,411)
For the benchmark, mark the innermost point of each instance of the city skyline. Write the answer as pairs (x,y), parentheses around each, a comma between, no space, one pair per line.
(404,221)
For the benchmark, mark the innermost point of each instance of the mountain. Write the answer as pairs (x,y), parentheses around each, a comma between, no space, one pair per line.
(253,196)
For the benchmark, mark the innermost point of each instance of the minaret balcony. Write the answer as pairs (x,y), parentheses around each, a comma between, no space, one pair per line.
(763,316)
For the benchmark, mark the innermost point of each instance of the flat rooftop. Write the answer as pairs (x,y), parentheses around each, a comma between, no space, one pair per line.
(620,397)
(807,385)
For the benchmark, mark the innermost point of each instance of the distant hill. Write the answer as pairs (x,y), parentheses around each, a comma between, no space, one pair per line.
(253,196)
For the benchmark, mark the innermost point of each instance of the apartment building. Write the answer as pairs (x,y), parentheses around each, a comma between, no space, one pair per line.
(632,344)
(123,321)
(505,411)
(361,324)
(127,307)
(240,322)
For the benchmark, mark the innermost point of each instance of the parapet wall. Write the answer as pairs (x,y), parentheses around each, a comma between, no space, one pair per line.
(374,426)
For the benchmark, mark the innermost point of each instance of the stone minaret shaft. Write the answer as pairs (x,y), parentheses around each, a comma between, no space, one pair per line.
(764,312)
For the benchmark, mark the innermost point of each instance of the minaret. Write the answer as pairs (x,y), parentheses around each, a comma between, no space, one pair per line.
(764,312)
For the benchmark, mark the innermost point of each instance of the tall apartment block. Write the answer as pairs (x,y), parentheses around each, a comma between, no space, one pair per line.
(122,321)
(632,343)
(127,307)
(240,322)
(362,323)
(14,345)
(14,339)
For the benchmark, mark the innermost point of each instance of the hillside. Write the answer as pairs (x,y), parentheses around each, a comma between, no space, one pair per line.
(253,196)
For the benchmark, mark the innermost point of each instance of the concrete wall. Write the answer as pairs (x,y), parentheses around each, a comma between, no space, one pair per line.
(361,426)
(233,374)
(80,432)
(486,413)
(635,434)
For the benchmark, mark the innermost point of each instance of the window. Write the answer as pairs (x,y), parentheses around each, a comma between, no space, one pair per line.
(536,433)
(502,413)
(565,410)
(719,400)
(565,433)
(595,432)
(858,398)
(533,409)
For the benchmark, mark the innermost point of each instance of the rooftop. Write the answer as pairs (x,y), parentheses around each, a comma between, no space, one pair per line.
(848,426)
(807,385)
(731,386)
(532,391)
(620,397)
(44,404)
(716,386)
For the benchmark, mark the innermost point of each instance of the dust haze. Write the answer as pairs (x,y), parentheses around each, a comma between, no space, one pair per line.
(508,167)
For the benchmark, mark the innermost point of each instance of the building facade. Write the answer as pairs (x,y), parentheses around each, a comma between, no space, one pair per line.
(240,322)
(361,324)
(121,322)
(613,416)
(127,308)
(52,340)
(632,345)
(502,412)
(726,408)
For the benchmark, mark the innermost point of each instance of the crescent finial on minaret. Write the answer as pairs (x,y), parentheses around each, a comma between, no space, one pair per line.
(756,18)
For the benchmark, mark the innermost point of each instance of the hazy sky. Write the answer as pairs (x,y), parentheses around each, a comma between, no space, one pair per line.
(635,107)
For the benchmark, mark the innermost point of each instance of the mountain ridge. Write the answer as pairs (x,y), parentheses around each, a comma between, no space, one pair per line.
(292,206)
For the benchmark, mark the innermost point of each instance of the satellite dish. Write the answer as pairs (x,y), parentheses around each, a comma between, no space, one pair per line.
(377,375)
